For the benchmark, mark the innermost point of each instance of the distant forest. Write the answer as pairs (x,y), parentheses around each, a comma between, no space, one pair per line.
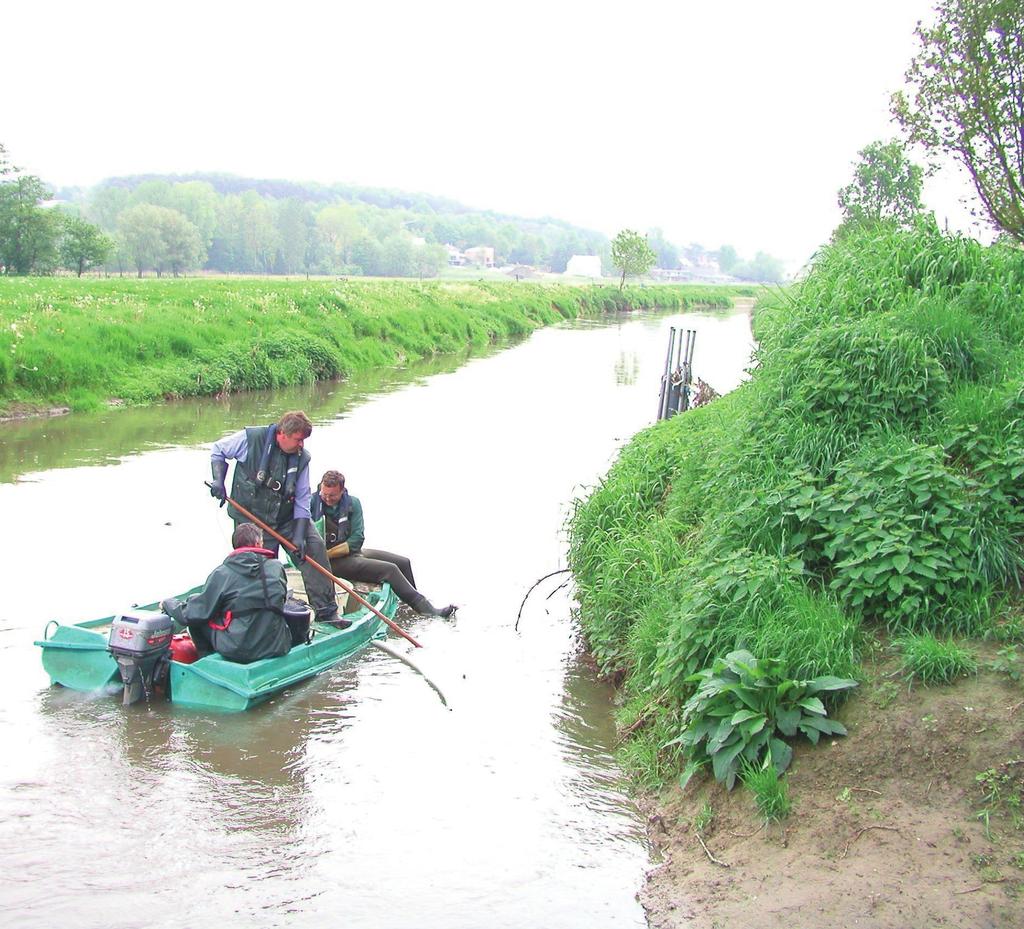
(177,224)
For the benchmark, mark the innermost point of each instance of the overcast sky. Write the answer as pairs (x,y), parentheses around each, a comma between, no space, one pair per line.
(723,123)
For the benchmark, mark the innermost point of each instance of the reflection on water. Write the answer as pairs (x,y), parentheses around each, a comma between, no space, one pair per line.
(356,798)
(626,369)
(104,437)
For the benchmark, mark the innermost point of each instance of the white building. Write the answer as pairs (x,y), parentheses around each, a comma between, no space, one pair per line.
(584,266)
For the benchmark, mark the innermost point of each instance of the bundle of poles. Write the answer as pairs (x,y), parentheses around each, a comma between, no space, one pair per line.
(675,382)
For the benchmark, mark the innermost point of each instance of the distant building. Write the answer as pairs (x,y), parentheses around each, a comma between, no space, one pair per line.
(480,255)
(455,258)
(584,266)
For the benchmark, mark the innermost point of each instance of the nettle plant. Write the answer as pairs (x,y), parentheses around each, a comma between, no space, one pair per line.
(743,710)
(905,535)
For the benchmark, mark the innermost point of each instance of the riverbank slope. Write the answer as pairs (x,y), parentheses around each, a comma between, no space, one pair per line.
(848,521)
(78,343)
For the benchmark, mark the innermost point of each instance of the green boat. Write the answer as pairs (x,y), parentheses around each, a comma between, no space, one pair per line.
(77,657)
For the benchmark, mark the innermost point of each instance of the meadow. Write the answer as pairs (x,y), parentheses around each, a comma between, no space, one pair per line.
(864,486)
(83,342)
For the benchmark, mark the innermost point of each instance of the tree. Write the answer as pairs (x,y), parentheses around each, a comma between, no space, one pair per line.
(295,229)
(368,256)
(339,229)
(28,232)
(667,254)
(727,259)
(397,257)
(763,268)
(140,236)
(157,237)
(967,99)
(83,245)
(182,242)
(429,259)
(631,254)
(886,186)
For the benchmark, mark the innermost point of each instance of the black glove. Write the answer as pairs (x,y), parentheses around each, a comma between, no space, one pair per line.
(169,605)
(220,471)
(299,539)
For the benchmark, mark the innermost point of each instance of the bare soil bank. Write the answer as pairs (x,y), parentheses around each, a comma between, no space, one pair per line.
(885,829)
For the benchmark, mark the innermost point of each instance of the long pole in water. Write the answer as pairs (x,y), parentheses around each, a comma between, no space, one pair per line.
(663,399)
(289,547)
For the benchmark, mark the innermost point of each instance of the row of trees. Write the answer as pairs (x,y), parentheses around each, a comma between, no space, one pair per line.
(312,230)
(170,225)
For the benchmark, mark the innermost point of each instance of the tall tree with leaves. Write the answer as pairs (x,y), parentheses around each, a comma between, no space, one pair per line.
(83,245)
(28,232)
(967,99)
(631,254)
(886,186)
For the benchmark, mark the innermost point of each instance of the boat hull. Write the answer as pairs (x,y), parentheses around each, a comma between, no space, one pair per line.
(76,657)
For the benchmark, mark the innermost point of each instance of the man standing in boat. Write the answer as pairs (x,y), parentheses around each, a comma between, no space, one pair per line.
(271,480)
(343,531)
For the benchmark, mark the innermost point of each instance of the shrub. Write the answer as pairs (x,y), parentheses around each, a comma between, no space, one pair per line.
(741,708)
(908,539)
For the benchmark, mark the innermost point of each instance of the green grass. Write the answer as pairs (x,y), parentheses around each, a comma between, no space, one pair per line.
(79,342)
(927,659)
(771,792)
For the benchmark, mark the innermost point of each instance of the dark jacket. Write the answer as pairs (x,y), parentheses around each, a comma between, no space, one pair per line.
(242,606)
(343,522)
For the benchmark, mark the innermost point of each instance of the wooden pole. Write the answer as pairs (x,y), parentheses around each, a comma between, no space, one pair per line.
(290,547)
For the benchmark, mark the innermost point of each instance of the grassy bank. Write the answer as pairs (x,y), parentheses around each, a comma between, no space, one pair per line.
(73,342)
(864,485)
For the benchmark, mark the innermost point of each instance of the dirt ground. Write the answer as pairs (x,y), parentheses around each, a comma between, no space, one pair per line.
(885,828)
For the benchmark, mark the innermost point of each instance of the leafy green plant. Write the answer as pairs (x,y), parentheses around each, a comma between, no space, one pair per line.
(743,707)
(1008,662)
(910,540)
(930,661)
(771,792)
(1002,794)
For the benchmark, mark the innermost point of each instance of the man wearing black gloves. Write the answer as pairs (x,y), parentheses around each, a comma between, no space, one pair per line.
(271,480)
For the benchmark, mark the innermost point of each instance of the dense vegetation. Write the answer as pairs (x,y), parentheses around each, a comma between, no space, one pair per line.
(79,342)
(866,477)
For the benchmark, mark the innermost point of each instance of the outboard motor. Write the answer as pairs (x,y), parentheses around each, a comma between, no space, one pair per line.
(141,643)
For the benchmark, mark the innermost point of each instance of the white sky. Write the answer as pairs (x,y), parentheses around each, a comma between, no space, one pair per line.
(723,123)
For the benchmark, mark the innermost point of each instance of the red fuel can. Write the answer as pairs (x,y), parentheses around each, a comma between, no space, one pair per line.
(183,649)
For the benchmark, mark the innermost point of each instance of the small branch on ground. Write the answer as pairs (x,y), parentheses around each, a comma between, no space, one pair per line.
(861,832)
(707,851)
(746,835)
(867,790)
(971,890)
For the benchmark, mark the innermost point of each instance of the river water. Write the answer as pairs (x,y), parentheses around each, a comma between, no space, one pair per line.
(356,799)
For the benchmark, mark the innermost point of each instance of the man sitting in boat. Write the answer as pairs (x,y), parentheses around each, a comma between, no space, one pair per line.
(240,610)
(343,533)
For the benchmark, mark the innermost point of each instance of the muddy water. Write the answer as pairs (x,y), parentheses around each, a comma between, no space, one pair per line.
(357,799)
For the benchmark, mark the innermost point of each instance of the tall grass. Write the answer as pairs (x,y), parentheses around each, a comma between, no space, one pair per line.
(870,472)
(81,341)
